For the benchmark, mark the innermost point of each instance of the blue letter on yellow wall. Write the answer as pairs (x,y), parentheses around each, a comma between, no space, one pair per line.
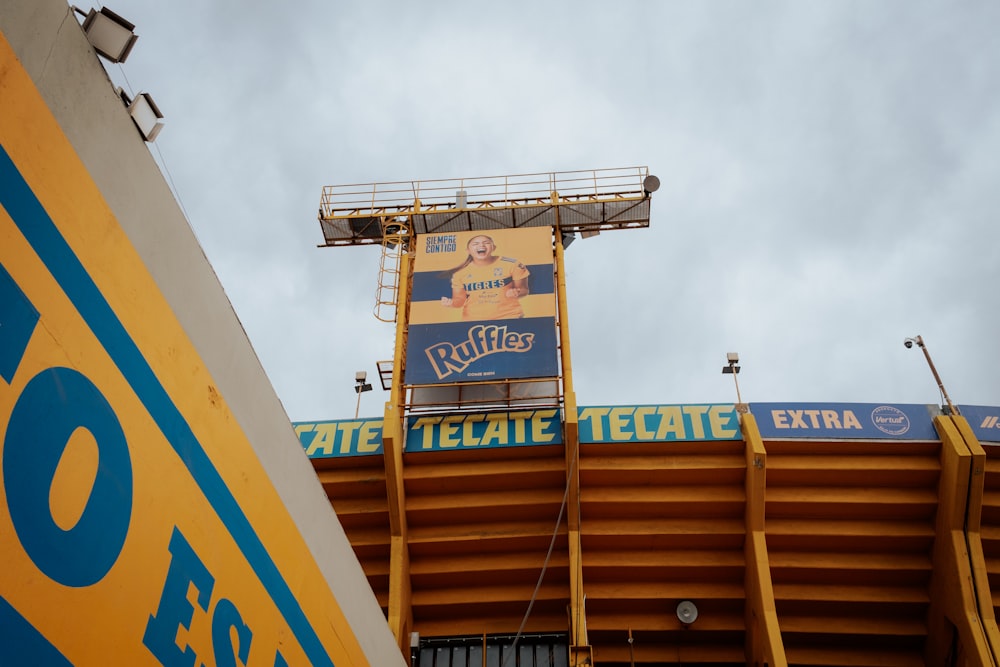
(175,611)
(52,406)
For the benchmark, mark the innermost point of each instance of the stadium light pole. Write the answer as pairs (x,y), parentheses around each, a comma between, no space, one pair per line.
(731,368)
(908,343)
(360,386)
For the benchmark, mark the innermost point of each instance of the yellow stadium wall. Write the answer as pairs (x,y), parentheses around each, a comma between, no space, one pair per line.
(157,506)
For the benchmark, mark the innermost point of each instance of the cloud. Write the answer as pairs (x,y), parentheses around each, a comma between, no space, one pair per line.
(828,175)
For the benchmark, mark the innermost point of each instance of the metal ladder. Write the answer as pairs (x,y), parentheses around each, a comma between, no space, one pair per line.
(395,238)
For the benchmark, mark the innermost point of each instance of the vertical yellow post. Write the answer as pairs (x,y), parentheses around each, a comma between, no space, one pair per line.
(580,652)
(400,616)
(953,606)
(763,640)
(973,535)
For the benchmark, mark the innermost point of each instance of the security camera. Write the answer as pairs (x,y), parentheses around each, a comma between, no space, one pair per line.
(908,343)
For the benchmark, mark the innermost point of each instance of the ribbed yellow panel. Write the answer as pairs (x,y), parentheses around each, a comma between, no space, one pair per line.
(763,641)
(953,607)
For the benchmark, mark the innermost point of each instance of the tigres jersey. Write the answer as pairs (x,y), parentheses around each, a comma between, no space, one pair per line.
(486,289)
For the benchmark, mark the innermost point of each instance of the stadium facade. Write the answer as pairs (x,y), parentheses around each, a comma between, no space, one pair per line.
(159,508)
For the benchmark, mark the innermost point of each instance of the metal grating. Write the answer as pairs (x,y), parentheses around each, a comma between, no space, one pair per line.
(509,394)
(574,201)
(492,651)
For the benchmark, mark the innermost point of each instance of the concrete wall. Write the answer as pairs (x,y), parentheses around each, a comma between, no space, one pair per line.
(198,350)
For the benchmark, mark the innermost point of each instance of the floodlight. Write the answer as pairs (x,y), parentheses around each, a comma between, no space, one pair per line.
(650,184)
(567,238)
(687,612)
(731,368)
(146,115)
(111,36)
(461,199)
(360,386)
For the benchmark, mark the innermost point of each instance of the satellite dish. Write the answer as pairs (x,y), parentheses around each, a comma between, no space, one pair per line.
(650,184)
(687,612)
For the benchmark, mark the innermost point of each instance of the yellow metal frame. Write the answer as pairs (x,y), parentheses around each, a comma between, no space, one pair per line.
(400,617)
(594,200)
(961,603)
(393,214)
(763,635)
(580,651)
(397,197)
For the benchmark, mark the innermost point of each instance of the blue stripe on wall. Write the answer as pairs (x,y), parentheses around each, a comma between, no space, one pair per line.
(37,227)
(432,285)
(23,644)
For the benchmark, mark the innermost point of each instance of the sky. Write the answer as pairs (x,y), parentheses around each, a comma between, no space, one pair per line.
(830,179)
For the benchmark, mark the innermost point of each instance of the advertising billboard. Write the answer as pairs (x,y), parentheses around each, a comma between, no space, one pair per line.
(658,423)
(984,420)
(482,307)
(520,428)
(863,421)
(484,431)
(334,438)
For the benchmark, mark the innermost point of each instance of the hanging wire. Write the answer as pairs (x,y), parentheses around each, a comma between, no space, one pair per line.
(548,556)
(163,160)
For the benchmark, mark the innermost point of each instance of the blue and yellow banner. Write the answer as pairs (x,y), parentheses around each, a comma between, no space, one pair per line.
(984,420)
(340,437)
(658,423)
(482,307)
(641,423)
(524,428)
(865,421)
(484,431)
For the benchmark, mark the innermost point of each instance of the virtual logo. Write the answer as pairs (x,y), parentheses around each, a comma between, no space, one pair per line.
(890,420)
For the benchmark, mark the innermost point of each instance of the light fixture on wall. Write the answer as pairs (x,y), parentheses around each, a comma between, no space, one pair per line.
(360,385)
(111,36)
(732,359)
(687,612)
(145,114)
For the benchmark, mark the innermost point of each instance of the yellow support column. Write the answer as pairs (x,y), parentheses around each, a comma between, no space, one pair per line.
(973,536)
(763,636)
(400,615)
(954,608)
(580,650)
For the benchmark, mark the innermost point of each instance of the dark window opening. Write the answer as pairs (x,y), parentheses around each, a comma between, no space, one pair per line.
(549,650)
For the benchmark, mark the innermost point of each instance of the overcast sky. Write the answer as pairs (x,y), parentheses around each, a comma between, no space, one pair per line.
(830,179)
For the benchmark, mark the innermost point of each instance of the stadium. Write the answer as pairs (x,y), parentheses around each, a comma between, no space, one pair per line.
(160,508)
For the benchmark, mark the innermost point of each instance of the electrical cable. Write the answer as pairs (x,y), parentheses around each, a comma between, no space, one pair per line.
(162,161)
(548,556)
